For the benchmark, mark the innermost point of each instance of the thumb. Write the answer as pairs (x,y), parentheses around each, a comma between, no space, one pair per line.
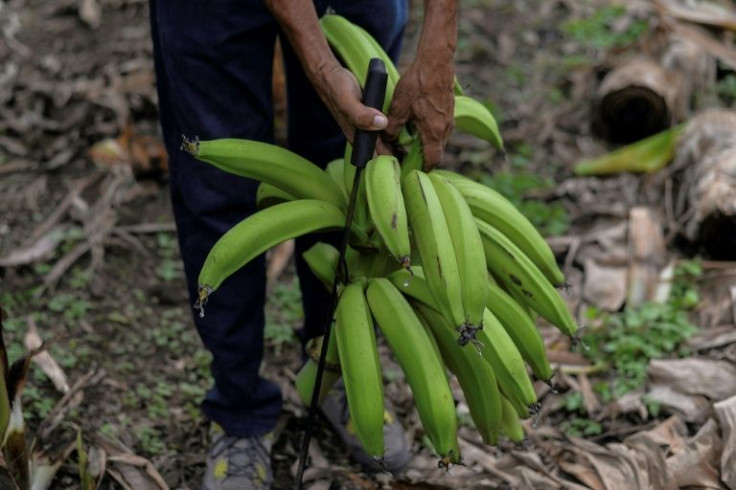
(367,118)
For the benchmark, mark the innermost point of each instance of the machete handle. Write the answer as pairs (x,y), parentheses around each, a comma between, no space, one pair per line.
(364,143)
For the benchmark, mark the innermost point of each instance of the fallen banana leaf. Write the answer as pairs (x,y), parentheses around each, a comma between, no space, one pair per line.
(647,156)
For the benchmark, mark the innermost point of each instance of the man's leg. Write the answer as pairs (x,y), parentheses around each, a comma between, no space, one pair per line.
(213,65)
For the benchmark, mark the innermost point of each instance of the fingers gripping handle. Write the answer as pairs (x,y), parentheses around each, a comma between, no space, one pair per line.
(364,143)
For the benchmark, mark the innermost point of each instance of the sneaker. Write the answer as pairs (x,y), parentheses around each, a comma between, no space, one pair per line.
(238,463)
(397,455)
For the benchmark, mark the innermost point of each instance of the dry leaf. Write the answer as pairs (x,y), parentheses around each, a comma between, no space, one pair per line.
(696,376)
(713,337)
(726,414)
(696,465)
(44,360)
(651,462)
(585,474)
(670,434)
(38,250)
(693,408)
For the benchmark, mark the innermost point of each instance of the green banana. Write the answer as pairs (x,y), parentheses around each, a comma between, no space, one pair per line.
(356,47)
(322,261)
(491,207)
(361,367)
(268,163)
(336,170)
(468,247)
(475,376)
(386,206)
(259,232)
(499,351)
(413,285)
(510,424)
(521,329)
(423,369)
(517,272)
(268,195)
(308,374)
(474,118)
(434,244)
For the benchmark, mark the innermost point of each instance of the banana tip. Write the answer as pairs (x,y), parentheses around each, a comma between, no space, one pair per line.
(190,145)
(203,294)
(406,264)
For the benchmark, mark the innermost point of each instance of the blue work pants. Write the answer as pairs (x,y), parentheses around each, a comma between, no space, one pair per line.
(214,61)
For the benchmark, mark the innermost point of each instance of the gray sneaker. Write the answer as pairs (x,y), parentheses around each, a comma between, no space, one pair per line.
(397,455)
(238,463)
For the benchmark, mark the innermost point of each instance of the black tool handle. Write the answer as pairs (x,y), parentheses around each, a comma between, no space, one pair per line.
(364,143)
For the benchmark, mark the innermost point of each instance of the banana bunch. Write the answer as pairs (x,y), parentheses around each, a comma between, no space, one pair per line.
(449,271)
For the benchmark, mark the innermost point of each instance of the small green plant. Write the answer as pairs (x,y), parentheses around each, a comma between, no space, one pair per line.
(628,340)
(599,30)
(283,312)
(581,426)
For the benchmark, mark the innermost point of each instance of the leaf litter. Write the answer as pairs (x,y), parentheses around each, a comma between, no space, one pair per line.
(81,114)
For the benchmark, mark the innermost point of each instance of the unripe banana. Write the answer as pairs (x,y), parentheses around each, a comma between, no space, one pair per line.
(474,374)
(434,244)
(361,367)
(521,329)
(413,284)
(491,207)
(269,163)
(499,351)
(474,118)
(423,369)
(511,425)
(258,233)
(386,206)
(322,261)
(336,170)
(307,376)
(517,272)
(356,47)
(269,195)
(468,247)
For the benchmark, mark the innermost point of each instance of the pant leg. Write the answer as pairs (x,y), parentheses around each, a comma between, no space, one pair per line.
(213,65)
(314,134)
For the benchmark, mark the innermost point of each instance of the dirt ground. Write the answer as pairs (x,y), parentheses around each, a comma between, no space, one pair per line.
(106,285)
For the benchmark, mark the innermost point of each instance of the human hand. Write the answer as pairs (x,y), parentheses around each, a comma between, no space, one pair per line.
(424,97)
(342,95)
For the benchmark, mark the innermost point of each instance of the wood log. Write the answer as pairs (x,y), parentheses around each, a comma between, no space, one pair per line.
(646,94)
(705,182)
(634,101)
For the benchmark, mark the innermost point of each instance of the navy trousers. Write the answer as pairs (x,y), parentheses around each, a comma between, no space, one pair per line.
(213,63)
